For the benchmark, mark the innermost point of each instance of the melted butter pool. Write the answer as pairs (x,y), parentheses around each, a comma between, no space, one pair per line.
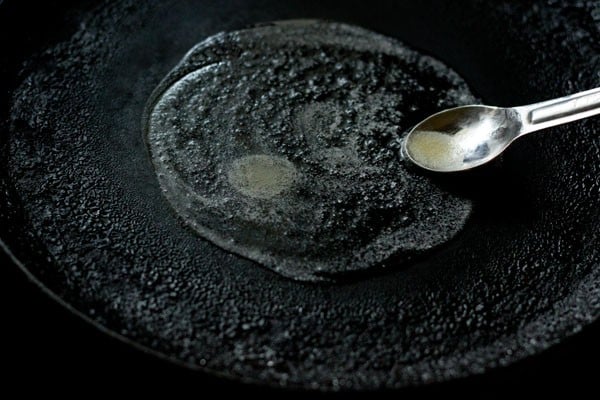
(261,176)
(437,150)
(281,144)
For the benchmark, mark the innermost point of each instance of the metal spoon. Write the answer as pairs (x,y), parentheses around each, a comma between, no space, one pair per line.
(464,137)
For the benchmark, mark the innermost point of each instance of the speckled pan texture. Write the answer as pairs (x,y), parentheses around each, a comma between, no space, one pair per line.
(81,205)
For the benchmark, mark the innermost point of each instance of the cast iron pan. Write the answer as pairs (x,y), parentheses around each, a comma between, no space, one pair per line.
(84,216)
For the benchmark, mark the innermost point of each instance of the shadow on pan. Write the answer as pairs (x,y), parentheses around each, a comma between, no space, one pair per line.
(86,219)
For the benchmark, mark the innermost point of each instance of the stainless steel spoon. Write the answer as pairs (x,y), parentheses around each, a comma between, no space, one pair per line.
(464,137)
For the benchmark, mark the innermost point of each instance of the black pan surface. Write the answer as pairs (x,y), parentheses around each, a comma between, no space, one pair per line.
(81,211)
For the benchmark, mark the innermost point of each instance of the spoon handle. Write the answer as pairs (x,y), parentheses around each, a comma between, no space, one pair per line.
(559,111)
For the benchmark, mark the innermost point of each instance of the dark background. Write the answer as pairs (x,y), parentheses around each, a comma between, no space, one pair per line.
(46,348)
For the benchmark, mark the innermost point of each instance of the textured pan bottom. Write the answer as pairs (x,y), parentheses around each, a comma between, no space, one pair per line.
(281,143)
(84,211)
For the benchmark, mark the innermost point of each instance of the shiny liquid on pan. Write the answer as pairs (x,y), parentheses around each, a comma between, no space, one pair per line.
(281,144)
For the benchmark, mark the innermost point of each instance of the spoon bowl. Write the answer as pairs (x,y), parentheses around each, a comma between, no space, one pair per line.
(462,137)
